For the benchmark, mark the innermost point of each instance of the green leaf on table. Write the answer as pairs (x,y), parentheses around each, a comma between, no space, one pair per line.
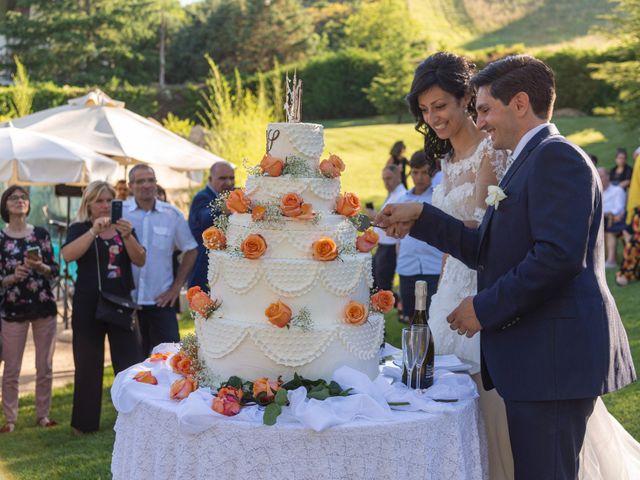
(234,382)
(281,397)
(319,393)
(271,414)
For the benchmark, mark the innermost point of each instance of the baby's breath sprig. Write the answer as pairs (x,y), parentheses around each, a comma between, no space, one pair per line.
(235,252)
(302,320)
(316,218)
(298,167)
(252,170)
(272,216)
(218,212)
(190,347)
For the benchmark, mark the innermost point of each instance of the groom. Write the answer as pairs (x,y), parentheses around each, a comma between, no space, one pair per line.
(552,340)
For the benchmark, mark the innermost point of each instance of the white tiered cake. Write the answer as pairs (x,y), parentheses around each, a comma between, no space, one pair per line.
(238,339)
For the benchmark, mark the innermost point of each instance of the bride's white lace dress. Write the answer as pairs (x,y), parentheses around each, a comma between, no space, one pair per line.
(609,452)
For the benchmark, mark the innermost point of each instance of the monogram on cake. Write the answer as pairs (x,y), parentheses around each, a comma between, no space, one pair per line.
(291,273)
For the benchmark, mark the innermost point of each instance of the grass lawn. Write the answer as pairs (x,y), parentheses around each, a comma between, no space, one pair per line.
(33,453)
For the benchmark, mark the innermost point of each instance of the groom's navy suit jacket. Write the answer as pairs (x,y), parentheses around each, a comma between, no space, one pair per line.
(550,327)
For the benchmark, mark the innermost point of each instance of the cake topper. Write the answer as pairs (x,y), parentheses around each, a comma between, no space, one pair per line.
(293,100)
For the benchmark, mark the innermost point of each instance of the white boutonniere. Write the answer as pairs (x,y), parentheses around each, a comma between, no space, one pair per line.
(496,195)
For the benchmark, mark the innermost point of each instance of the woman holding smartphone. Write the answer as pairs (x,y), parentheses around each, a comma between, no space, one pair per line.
(26,267)
(115,242)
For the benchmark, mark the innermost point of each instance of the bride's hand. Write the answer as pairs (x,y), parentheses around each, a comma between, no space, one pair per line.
(399,230)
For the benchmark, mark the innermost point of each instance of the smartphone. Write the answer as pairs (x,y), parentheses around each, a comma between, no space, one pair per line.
(33,253)
(369,205)
(116,210)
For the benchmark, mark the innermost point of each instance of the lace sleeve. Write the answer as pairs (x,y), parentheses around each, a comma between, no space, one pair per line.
(493,165)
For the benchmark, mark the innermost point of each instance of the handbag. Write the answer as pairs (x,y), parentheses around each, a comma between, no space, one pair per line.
(114,309)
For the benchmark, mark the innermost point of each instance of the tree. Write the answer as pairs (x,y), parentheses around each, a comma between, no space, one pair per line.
(624,75)
(86,41)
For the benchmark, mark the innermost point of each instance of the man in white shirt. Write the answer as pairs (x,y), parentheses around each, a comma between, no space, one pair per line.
(418,260)
(384,260)
(161,228)
(614,201)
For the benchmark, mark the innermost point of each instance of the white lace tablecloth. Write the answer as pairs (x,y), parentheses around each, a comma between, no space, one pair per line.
(348,438)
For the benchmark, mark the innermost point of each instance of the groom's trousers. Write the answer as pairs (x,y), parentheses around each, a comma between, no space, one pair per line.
(546,437)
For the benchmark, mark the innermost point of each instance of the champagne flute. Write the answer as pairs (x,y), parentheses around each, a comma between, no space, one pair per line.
(408,353)
(420,338)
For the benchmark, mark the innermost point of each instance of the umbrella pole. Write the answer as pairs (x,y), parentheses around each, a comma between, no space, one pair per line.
(65,287)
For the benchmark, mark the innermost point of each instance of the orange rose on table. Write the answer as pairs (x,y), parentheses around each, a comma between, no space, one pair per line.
(366,241)
(214,239)
(278,314)
(235,392)
(181,363)
(180,389)
(146,377)
(258,213)
(159,357)
(332,167)
(348,204)
(383,300)
(238,202)
(271,166)
(253,246)
(264,390)
(355,313)
(324,249)
(228,405)
(291,205)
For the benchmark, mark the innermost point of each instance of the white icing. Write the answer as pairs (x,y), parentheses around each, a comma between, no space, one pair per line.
(248,287)
(302,140)
(230,347)
(320,192)
(292,238)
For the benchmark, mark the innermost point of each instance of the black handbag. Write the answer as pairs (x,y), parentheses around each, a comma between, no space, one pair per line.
(114,309)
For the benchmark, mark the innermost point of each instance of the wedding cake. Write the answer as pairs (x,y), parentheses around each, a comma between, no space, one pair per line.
(289,274)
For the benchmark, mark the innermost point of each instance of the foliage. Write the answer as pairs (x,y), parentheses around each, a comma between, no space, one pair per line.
(624,75)
(86,42)
(22,96)
(235,116)
(178,125)
(240,34)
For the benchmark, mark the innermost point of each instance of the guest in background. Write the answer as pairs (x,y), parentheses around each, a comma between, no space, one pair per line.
(161,193)
(118,248)
(122,191)
(201,216)
(162,229)
(613,208)
(397,158)
(26,267)
(384,260)
(630,268)
(620,175)
(417,260)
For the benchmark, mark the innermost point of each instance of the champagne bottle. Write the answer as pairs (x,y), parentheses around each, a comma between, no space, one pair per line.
(420,318)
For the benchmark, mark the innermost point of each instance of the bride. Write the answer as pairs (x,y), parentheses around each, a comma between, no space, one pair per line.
(442,102)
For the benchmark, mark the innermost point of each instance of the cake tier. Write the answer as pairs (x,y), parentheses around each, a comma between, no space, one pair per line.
(232,347)
(301,140)
(247,287)
(293,238)
(320,192)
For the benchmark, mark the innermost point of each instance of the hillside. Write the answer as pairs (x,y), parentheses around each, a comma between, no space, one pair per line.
(478,24)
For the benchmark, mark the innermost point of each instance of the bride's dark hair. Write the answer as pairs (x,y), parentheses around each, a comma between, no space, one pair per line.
(452,73)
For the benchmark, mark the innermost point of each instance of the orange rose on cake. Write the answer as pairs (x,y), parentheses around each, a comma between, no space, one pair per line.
(291,205)
(332,167)
(180,389)
(264,390)
(146,377)
(258,213)
(214,239)
(181,363)
(238,202)
(324,249)
(348,204)
(383,300)
(271,166)
(366,241)
(200,302)
(278,314)
(254,246)
(355,313)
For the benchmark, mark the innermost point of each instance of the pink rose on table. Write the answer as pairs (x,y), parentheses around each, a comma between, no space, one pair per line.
(181,389)
(228,405)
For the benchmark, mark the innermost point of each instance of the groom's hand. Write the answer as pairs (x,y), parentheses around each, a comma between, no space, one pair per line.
(398,218)
(464,320)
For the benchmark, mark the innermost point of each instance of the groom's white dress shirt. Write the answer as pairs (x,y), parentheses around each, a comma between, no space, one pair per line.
(523,142)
